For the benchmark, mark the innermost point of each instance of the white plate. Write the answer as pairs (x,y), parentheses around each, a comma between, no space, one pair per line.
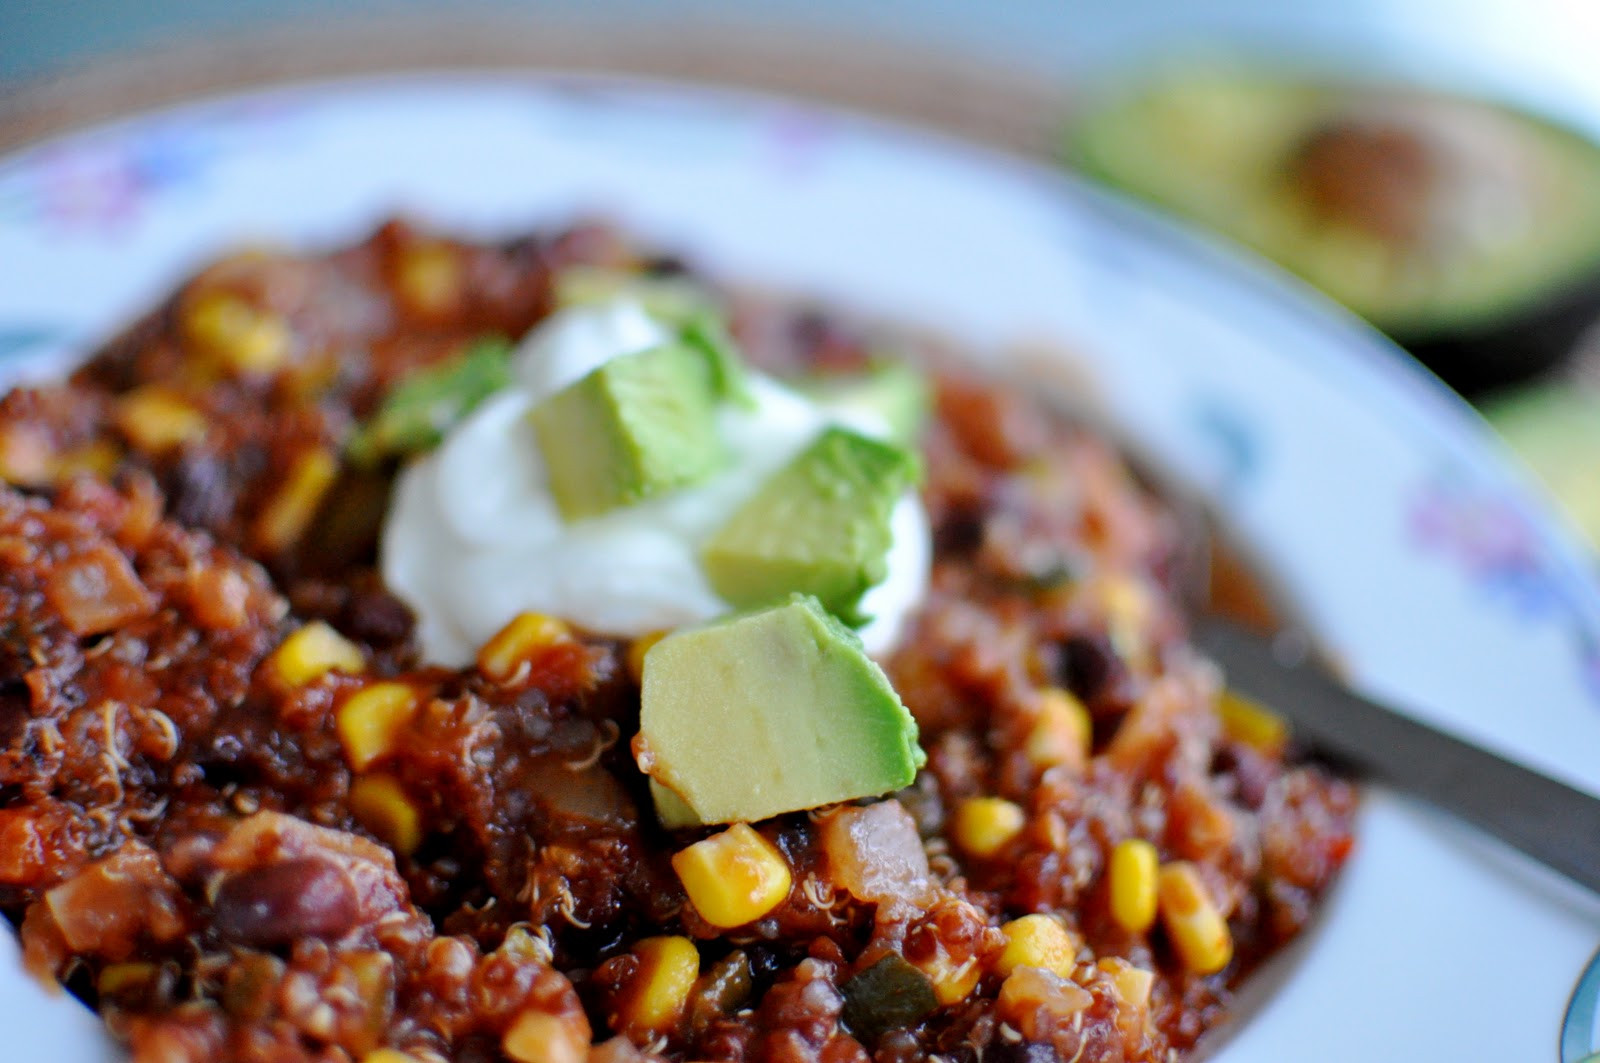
(1379,501)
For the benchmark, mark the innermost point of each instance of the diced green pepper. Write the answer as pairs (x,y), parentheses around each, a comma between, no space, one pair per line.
(722,990)
(891,994)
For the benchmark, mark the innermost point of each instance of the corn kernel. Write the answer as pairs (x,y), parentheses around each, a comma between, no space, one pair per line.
(538,1037)
(156,418)
(984,825)
(1134,864)
(373,973)
(243,338)
(98,458)
(1041,941)
(388,1055)
(1127,612)
(1124,600)
(120,977)
(1061,733)
(313,651)
(370,721)
(287,515)
(1248,723)
(381,805)
(733,878)
(659,991)
(636,651)
(953,981)
(518,642)
(428,277)
(1196,928)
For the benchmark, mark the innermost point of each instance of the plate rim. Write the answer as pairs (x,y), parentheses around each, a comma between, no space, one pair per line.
(1466,435)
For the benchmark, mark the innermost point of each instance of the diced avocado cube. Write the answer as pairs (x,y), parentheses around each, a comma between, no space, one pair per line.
(425,405)
(767,712)
(892,392)
(673,812)
(820,526)
(678,303)
(632,429)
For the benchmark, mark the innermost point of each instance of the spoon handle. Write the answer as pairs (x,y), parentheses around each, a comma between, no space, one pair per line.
(1548,820)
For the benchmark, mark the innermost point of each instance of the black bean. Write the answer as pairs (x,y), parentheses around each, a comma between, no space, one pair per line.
(1001,1050)
(1088,664)
(765,962)
(15,702)
(376,617)
(960,532)
(281,903)
(200,487)
(1250,772)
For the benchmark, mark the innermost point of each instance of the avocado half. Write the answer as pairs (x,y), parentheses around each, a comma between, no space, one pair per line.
(1468,232)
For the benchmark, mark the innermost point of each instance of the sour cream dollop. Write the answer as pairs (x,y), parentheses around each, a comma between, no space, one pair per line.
(473,536)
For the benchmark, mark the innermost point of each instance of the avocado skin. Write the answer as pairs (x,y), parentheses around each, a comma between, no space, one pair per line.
(1473,347)
(1517,346)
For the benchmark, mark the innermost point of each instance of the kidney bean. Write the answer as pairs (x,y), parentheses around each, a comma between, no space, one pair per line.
(281,903)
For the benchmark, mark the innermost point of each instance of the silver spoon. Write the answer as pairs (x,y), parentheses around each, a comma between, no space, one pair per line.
(1545,819)
(1549,821)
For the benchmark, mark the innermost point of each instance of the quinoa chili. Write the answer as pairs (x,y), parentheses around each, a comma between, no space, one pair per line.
(240,818)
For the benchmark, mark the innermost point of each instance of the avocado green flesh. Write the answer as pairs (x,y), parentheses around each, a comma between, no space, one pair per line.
(1555,429)
(673,811)
(634,428)
(416,414)
(674,301)
(820,526)
(768,712)
(1214,145)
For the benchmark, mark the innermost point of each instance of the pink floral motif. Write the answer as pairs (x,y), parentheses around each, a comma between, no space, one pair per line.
(1491,537)
(799,140)
(101,184)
